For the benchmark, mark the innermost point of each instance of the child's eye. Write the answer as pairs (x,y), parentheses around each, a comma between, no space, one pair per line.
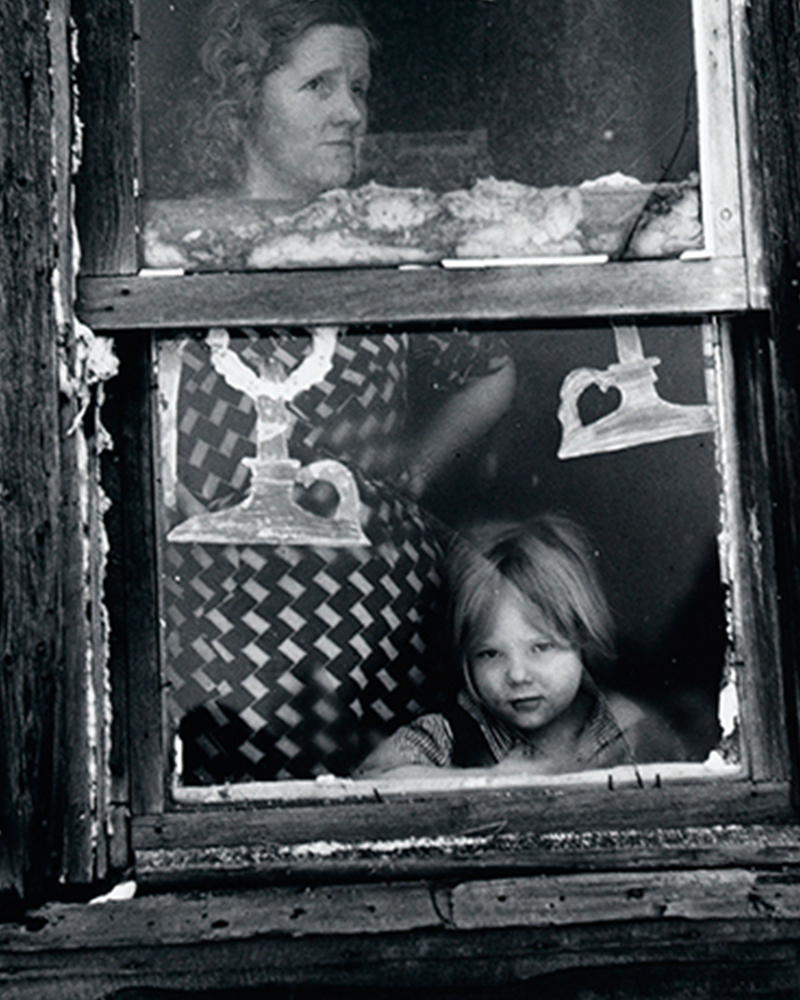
(543,647)
(486,654)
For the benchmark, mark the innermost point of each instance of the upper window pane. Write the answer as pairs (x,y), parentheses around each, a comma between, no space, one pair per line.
(416,131)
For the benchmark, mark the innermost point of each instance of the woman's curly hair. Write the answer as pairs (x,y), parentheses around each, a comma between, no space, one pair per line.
(244,41)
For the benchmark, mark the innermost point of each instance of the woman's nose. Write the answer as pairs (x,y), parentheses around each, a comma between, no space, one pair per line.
(349,109)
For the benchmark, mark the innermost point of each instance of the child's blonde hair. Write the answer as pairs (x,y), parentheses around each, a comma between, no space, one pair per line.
(550,563)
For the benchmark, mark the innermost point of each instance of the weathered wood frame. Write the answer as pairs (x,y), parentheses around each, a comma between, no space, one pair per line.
(273,830)
(113,297)
(485,829)
(729,928)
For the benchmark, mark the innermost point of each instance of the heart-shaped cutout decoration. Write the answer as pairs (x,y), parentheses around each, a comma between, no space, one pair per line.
(594,403)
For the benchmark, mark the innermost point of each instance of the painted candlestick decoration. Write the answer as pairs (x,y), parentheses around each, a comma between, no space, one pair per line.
(270,514)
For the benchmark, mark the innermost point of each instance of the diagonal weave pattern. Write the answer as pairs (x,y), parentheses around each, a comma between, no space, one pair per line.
(310,654)
(293,661)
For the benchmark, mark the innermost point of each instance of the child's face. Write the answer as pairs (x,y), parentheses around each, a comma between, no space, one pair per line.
(519,673)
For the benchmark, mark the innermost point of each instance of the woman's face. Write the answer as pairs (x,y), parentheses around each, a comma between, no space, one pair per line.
(313,115)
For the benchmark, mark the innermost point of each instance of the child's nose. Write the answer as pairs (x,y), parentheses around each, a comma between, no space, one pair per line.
(519,670)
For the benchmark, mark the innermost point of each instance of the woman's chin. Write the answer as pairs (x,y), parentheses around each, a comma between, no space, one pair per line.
(338,180)
(339,170)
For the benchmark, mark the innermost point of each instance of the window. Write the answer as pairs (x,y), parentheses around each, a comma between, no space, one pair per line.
(260,670)
(296,635)
(672,188)
(496,132)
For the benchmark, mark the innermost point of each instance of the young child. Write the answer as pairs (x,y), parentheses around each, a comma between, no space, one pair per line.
(529,619)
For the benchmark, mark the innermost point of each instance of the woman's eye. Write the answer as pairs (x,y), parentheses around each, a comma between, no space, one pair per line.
(360,88)
(317,85)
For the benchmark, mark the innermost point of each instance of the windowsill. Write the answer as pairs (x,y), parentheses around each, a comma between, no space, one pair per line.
(690,817)
(332,789)
(411,934)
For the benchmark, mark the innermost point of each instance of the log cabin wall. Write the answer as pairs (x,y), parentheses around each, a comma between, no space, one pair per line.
(32,652)
(775,53)
(732,931)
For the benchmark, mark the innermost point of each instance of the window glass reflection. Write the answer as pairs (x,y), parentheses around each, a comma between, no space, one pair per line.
(327,134)
(313,484)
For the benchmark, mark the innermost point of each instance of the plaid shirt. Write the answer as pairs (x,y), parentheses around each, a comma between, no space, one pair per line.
(616,731)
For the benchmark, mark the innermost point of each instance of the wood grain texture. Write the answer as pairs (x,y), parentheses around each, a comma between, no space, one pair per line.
(775,54)
(753,190)
(747,459)
(80,555)
(374,939)
(517,810)
(765,973)
(30,485)
(386,295)
(207,916)
(132,593)
(105,208)
(620,850)
(719,147)
(574,899)
(345,910)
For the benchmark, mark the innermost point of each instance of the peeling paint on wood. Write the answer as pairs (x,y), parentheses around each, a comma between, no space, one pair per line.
(621,850)
(51,631)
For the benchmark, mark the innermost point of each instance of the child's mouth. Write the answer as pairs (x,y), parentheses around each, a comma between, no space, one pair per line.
(527,704)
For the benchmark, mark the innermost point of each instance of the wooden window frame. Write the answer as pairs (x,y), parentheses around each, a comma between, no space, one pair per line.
(418,831)
(336,827)
(114,296)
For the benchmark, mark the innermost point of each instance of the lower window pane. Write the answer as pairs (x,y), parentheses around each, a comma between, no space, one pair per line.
(312,485)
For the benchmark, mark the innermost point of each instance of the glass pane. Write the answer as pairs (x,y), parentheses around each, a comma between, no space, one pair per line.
(312,486)
(416,131)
